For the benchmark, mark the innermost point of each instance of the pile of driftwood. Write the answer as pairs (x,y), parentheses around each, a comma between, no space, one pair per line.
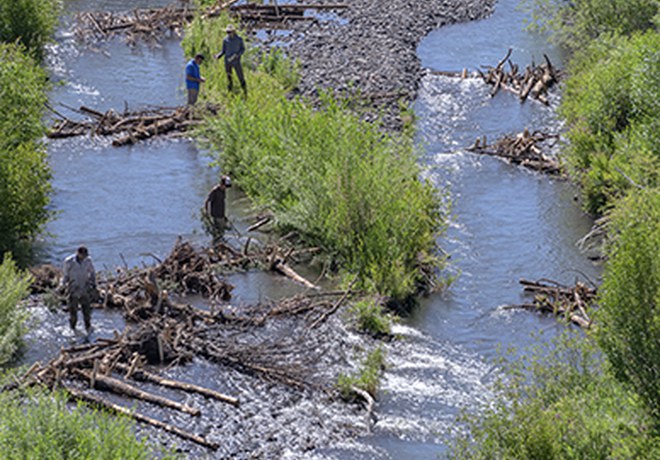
(161,332)
(257,15)
(151,24)
(572,303)
(521,149)
(140,24)
(534,82)
(130,127)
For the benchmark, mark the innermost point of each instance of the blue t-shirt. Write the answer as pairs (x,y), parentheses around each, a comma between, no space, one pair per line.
(192,69)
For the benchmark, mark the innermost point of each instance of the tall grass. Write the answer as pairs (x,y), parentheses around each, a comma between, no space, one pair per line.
(13,288)
(42,426)
(339,182)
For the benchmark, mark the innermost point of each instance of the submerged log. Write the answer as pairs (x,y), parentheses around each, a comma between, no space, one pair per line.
(145,376)
(105,404)
(102,382)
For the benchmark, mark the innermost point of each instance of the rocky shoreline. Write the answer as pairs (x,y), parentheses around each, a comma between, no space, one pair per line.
(370,48)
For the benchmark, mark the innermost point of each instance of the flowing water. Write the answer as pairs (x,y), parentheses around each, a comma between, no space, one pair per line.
(129,204)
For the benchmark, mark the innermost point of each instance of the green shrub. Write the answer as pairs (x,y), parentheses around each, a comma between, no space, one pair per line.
(367,378)
(629,319)
(370,317)
(559,405)
(24,171)
(42,426)
(611,106)
(339,182)
(575,23)
(29,22)
(13,288)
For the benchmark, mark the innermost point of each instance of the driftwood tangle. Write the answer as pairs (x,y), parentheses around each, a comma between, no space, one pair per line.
(572,303)
(522,149)
(534,82)
(152,24)
(130,127)
(162,331)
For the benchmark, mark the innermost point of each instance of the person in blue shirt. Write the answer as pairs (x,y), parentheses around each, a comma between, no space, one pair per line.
(232,49)
(194,78)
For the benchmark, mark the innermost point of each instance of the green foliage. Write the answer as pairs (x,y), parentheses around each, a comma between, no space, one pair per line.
(367,378)
(42,426)
(24,172)
(629,318)
(370,317)
(275,63)
(560,405)
(339,182)
(29,22)
(611,106)
(575,23)
(13,288)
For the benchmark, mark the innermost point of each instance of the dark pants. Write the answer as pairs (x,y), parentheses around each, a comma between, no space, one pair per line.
(82,301)
(238,68)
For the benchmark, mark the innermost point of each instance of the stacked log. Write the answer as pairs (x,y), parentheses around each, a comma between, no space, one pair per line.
(130,127)
(572,303)
(522,149)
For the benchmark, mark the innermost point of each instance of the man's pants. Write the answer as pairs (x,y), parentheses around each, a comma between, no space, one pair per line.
(82,301)
(192,96)
(238,68)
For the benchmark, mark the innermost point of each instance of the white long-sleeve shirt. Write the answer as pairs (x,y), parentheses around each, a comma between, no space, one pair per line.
(78,276)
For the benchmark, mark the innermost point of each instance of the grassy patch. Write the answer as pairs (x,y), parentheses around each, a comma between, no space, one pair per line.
(13,288)
(367,378)
(370,317)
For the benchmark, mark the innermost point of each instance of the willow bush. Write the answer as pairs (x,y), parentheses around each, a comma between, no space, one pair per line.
(629,319)
(559,404)
(43,426)
(13,288)
(29,22)
(339,182)
(612,109)
(24,172)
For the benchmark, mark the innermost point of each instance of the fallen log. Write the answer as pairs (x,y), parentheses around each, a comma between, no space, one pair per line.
(145,376)
(105,383)
(102,403)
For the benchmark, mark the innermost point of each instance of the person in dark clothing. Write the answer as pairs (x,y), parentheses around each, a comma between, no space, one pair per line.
(79,283)
(214,206)
(232,49)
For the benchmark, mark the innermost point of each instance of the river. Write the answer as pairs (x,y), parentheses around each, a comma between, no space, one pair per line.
(127,204)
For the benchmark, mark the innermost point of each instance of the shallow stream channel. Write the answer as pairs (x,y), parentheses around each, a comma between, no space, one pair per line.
(129,204)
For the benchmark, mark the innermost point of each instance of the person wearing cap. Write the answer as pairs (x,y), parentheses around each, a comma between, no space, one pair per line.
(232,49)
(79,282)
(214,206)
(194,78)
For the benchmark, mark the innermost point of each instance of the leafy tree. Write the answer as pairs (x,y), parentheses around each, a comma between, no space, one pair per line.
(24,171)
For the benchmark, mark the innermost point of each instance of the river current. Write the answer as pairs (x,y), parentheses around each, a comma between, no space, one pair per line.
(129,204)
